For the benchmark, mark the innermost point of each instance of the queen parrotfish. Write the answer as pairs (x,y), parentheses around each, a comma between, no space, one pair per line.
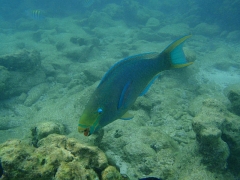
(124,82)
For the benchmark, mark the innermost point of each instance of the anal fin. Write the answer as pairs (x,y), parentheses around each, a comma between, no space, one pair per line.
(127,116)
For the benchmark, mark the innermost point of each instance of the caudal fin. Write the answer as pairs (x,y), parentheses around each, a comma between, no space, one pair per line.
(174,54)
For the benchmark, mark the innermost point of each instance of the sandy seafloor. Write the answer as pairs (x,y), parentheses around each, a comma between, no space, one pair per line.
(72,72)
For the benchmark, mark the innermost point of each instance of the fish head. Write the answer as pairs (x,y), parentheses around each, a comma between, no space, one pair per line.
(89,121)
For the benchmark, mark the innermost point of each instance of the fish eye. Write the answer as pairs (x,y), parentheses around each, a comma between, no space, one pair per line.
(99,111)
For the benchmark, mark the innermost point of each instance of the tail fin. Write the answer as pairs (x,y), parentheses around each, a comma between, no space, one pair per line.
(175,55)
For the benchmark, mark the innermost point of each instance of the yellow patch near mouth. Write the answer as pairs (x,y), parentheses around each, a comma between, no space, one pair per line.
(81,129)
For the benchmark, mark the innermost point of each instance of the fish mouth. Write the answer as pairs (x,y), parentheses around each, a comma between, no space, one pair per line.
(85,131)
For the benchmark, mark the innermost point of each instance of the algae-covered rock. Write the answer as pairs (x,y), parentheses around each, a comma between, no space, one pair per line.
(24,61)
(46,128)
(56,157)
(234,98)
(78,171)
(111,173)
(208,128)
(21,84)
(231,128)
(19,72)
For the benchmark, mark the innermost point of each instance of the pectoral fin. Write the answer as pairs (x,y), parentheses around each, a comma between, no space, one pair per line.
(124,95)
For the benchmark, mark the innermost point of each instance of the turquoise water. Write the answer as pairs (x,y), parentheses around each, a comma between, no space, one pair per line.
(53,57)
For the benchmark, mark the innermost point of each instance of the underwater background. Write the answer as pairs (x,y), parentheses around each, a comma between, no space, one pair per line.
(53,54)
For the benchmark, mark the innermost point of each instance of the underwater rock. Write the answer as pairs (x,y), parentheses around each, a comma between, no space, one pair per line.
(230,135)
(23,82)
(190,55)
(4,76)
(60,46)
(148,35)
(49,69)
(56,157)
(22,71)
(6,123)
(153,23)
(111,173)
(62,78)
(78,40)
(97,19)
(174,30)
(233,36)
(143,103)
(134,12)
(208,128)
(92,74)
(207,29)
(35,93)
(234,98)
(136,149)
(22,98)
(79,54)
(37,36)
(24,61)
(85,41)
(140,150)
(114,10)
(46,128)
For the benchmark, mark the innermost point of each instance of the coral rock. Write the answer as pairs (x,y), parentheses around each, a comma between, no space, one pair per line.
(56,157)
(44,129)
(111,173)
(207,126)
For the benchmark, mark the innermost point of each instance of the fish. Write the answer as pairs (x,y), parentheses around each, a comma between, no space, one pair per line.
(1,169)
(35,14)
(150,178)
(124,82)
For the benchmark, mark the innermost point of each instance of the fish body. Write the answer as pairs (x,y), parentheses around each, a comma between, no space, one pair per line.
(124,82)
(35,14)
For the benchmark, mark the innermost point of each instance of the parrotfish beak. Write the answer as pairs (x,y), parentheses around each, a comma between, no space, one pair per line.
(86,131)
